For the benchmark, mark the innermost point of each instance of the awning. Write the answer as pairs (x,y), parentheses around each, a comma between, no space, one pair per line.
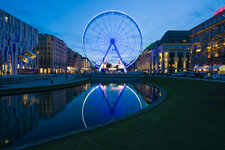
(202,67)
(222,68)
(24,58)
(206,67)
(30,54)
(199,67)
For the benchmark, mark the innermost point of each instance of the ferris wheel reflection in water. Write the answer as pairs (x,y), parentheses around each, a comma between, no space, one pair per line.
(108,102)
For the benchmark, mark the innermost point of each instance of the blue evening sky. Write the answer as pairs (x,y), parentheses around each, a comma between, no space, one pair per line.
(67,18)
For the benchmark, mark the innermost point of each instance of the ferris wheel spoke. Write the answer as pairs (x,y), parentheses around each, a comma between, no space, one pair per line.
(118,27)
(96,34)
(122,28)
(103,29)
(126,31)
(106,25)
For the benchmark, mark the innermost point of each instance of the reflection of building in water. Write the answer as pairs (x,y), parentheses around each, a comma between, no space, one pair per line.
(17,117)
(73,92)
(86,86)
(51,103)
(148,93)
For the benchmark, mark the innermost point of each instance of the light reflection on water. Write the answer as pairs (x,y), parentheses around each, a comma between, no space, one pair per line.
(30,117)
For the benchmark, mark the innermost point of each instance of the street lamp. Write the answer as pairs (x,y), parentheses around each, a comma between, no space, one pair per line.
(1,64)
(211,59)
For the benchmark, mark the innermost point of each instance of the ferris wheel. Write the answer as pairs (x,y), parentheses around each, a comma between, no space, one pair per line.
(112,35)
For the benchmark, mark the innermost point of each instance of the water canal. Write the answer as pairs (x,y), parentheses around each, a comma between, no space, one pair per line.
(27,118)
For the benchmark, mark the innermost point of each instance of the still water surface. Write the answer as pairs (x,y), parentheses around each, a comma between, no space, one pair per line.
(26,118)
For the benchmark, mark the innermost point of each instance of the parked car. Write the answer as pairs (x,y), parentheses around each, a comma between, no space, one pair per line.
(207,77)
(191,75)
(218,77)
(180,74)
(174,75)
(184,74)
(168,74)
(200,74)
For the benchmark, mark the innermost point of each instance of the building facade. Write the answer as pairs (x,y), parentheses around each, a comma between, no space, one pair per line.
(79,62)
(169,55)
(70,61)
(148,59)
(86,64)
(173,52)
(52,54)
(208,44)
(16,37)
(74,61)
(144,61)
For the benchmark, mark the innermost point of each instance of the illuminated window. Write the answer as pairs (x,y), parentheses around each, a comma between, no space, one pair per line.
(160,57)
(216,54)
(6,19)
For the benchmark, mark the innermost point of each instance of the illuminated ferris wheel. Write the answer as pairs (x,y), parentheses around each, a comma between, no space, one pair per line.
(112,35)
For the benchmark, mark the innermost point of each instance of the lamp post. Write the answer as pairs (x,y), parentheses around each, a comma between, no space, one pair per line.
(66,69)
(211,59)
(211,64)
(1,64)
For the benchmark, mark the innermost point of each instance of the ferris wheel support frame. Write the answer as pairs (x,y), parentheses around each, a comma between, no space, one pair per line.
(112,43)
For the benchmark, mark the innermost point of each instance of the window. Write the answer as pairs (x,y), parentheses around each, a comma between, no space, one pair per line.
(221,39)
(206,35)
(196,38)
(6,19)
(206,54)
(196,57)
(221,29)
(206,44)
(196,47)
(213,43)
(213,32)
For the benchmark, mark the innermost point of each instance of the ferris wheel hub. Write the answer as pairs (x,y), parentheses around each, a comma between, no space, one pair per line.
(112,41)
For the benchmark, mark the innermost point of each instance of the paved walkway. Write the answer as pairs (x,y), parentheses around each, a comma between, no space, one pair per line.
(202,79)
(38,81)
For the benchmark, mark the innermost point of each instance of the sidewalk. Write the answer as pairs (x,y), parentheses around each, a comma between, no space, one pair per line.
(201,79)
(24,81)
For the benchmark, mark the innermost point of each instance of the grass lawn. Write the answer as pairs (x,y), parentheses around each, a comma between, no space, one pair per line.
(191,117)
